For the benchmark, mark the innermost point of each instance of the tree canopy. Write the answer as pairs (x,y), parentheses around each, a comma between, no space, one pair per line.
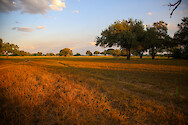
(124,33)
(65,52)
(89,53)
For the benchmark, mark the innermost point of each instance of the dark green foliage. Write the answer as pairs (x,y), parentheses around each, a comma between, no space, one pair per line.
(65,52)
(77,54)
(89,53)
(124,34)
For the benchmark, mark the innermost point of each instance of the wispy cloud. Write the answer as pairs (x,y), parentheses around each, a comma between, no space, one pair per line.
(23,29)
(75,11)
(149,13)
(41,27)
(31,6)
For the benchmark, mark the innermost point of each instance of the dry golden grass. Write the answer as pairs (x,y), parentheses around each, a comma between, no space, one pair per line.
(33,93)
(127,67)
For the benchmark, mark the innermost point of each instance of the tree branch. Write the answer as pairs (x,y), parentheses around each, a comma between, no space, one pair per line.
(176,5)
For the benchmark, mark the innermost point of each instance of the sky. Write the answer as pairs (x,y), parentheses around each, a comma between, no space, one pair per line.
(51,25)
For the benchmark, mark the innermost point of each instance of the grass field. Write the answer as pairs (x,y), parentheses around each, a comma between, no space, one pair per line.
(93,90)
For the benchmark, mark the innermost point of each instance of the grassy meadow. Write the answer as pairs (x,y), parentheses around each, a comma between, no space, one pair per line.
(93,90)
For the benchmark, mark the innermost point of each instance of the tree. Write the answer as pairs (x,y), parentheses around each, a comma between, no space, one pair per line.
(117,52)
(77,54)
(110,51)
(155,37)
(39,54)
(65,52)
(96,52)
(89,53)
(181,36)
(49,54)
(124,34)
(168,44)
(104,52)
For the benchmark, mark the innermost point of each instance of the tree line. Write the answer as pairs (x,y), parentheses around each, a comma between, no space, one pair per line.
(130,35)
(132,38)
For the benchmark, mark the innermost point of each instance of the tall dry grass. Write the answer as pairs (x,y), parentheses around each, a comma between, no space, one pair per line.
(34,95)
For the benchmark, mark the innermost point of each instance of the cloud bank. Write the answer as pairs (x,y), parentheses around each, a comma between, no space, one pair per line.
(31,6)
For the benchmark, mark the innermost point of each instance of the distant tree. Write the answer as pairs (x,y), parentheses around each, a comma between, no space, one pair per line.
(9,48)
(39,54)
(65,52)
(124,34)
(77,54)
(49,54)
(123,52)
(117,52)
(104,52)
(110,51)
(96,52)
(89,53)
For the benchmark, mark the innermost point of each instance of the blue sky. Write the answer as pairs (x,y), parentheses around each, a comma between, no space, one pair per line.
(51,25)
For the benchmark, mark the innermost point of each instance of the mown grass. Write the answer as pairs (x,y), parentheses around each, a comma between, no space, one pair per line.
(97,90)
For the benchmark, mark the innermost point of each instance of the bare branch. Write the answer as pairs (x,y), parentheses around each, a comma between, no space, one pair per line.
(176,5)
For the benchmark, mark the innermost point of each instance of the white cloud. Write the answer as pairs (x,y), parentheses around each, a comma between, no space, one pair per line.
(75,11)
(41,27)
(32,6)
(149,13)
(92,43)
(23,29)
(57,5)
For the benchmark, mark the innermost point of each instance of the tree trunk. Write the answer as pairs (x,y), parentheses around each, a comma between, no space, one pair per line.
(153,53)
(141,56)
(168,56)
(7,54)
(128,54)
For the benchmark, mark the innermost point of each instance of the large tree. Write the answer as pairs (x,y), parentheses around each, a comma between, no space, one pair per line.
(122,33)
(65,52)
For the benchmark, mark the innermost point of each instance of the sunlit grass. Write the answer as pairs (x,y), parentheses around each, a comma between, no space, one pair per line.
(92,91)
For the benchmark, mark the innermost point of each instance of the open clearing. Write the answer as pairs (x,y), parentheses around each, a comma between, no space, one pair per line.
(93,90)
